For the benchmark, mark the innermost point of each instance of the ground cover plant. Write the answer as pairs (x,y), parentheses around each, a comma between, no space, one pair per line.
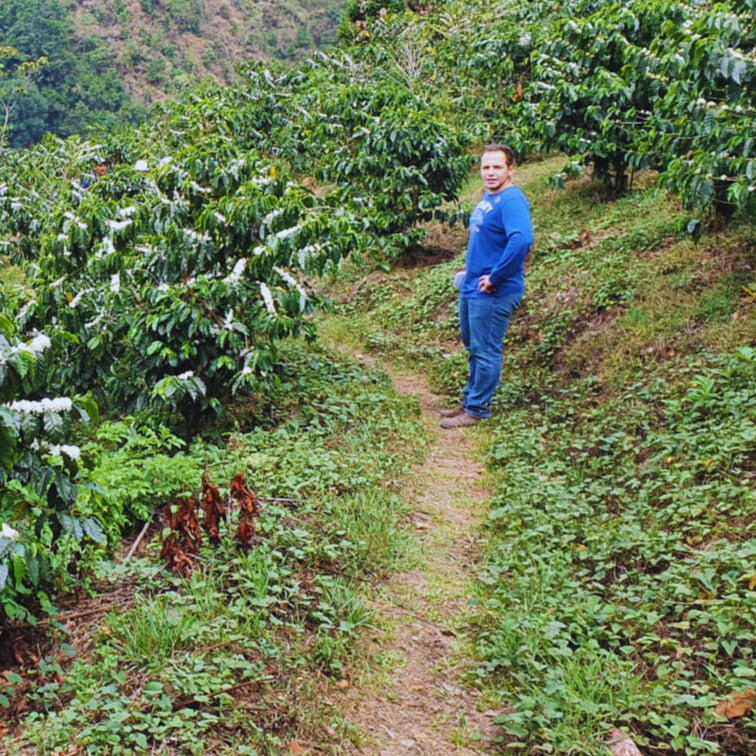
(227,656)
(619,585)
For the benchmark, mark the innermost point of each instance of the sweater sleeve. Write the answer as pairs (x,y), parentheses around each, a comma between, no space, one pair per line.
(515,216)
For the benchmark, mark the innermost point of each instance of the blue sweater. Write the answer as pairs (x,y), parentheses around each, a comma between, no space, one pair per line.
(500,238)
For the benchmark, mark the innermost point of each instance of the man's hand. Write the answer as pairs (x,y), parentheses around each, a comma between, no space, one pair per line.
(484,284)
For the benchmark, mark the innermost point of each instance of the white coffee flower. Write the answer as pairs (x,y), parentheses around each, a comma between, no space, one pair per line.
(235,275)
(39,343)
(8,532)
(267,298)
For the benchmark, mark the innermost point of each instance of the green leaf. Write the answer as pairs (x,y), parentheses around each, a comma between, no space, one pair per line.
(72,525)
(67,490)
(32,568)
(19,569)
(88,408)
(93,530)
(53,425)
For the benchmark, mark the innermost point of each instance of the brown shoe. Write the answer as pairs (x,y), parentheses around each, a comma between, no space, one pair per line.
(451,412)
(463,420)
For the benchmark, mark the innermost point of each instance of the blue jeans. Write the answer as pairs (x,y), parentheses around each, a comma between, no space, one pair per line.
(483,322)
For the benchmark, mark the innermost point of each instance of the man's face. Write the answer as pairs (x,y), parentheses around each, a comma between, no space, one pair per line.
(494,171)
(100,169)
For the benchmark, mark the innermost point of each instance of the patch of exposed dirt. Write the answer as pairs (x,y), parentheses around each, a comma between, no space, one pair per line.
(79,619)
(423,705)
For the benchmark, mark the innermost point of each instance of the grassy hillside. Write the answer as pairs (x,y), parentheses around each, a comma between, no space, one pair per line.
(146,336)
(619,585)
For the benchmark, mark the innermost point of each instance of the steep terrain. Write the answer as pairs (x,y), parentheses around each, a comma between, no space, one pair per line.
(159,46)
(600,576)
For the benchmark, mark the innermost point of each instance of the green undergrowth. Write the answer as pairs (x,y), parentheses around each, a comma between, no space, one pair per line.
(619,584)
(621,567)
(237,657)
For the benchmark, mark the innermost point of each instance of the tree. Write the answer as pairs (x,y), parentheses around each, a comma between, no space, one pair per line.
(16,82)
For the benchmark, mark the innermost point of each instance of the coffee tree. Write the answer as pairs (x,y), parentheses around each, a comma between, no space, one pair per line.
(177,281)
(45,524)
(373,142)
(704,120)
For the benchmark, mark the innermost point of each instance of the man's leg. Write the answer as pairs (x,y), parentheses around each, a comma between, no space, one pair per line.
(488,319)
(464,332)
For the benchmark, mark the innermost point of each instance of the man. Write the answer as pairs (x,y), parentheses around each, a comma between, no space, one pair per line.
(501,234)
(100,169)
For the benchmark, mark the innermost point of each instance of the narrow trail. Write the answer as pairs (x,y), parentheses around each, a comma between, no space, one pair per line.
(421,705)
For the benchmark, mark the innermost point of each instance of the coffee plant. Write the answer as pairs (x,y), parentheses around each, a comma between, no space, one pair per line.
(165,286)
(44,521)
(660,85)
(704,122)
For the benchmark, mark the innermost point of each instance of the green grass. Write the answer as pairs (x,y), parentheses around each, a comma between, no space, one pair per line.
(234,658)
(619,586)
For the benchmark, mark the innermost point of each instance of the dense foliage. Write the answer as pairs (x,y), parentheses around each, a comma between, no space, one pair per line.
(265,624)
(666,85)
(39,473)
(167,284)
(621,551)
(165,290)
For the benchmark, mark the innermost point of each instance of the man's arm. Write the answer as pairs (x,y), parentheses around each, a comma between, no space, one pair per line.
(519,239)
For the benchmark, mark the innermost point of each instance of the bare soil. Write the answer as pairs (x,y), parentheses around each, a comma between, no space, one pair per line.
(422,704)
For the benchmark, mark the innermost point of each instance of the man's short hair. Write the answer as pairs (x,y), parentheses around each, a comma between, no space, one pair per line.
(496,147)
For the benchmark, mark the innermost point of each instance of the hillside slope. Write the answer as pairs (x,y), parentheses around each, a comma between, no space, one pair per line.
(80,68)
(160,46)
(618,586)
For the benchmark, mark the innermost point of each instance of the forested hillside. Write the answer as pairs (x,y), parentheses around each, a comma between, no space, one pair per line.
(104,62)
(159,336)
(160,47)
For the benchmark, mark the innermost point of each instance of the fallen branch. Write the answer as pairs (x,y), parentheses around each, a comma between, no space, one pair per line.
(137,542)
(66,617)
(183,702)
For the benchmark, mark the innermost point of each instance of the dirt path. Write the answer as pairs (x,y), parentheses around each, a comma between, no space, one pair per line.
(420,705)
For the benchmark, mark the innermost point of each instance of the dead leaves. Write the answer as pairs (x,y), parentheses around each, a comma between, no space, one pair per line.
(185,537)
(737,704)
(181,519)
(213,508)
(249,508)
